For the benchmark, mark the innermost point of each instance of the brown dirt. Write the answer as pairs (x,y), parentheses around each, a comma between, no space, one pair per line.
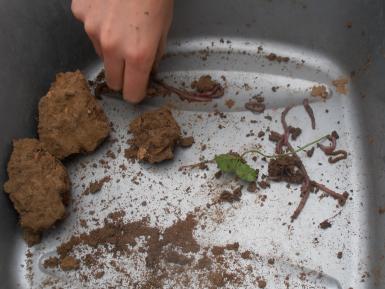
(186,142)
(310,152)
(247,255)
(341,84)
(287,169)
(256,104)
(275,57)
(119,234)
(319,91)
(231,197)
(252,187)
(69,263)
(95,187)
(71,120)
(261,283)
(38,185)
(155,135)
(51,262)
(230,103)
(295,132)
(181,235)
(176,258)
(325,225)
(204,84)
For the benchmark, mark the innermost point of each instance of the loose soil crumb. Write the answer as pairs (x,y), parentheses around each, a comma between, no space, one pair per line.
(155,135)
(325,225)
(69,263)
(319,91)
(231,197)
(230,103)
(340,85)
(71,120)
(295,132)
(246,255)
(310,152)
(275,57)
(38,187)
(186,142)
(252,187)
(262,283)
(256,104)
(51,262)
(204,84)
(95,187)
(287,169)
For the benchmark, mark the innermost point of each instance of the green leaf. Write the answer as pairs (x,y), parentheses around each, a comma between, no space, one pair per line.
(230,163)
(227,163)
(246,173)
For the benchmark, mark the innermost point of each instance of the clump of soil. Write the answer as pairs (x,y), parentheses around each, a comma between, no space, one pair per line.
(38,187)
(95,187)
(295,132)
(71,120)
(275,57)
(231,197)
(155,135)
(287,169)
(256,104)
(340,85)
(69,263)
(319,91)
(204,84)
(325,225)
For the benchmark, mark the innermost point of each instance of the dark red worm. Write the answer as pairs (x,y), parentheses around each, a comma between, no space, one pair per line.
(328,150)
(340,197)
(308,184)
(208,96)
(309,111)
(338,156)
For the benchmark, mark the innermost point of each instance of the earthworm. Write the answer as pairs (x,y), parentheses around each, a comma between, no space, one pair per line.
(338,156)
(340,197)
(309,111)
(207,96)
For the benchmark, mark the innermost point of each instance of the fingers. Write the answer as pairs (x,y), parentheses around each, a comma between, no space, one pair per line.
(160,52)
(135,83)
(114,67)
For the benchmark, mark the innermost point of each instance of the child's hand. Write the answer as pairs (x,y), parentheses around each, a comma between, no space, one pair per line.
(130,36)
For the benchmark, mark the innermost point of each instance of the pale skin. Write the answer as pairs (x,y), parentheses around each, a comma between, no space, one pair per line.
(130,36)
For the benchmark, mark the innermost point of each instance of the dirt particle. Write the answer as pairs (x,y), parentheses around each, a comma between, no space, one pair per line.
(339,255)
(275,57)
(325,225)
(310,152)
(340,85)
(246,255)
(271,261)
(261,283)
(231,197)
(69,263)
(319,91)
(96,186)
(252,187)
(186,142)
(51,263)
(230,103)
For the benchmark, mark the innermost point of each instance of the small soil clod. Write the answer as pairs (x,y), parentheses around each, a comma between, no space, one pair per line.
(155,135)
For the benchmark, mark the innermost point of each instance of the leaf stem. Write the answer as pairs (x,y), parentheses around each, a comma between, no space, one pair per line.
(285,154)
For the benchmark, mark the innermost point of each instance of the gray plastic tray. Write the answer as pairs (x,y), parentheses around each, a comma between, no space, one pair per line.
(40,39)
